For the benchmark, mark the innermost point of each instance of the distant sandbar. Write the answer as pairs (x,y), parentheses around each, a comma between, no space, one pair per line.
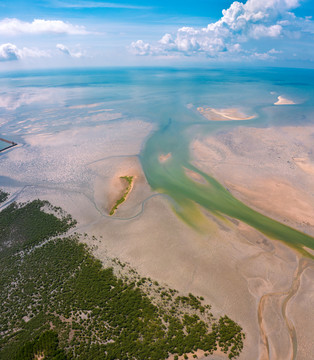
(284,101)
(164,157)
(227,114)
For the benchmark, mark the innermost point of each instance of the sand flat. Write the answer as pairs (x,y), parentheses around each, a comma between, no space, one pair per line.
(297,311)
(270,170)
(232,267)
(283,199)
(253,162)
(226,266)
(305,164)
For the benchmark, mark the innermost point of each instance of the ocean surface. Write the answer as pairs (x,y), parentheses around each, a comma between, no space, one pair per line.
(48,102)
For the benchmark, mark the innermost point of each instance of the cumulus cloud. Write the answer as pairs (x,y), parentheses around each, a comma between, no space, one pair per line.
(10,52)
(241,23)
(139,47)
(11,26)
(65,50)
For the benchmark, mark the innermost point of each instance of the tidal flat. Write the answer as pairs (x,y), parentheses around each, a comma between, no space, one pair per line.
(72,157)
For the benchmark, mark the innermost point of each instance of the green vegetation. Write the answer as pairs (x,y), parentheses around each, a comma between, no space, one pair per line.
(58,302)
(46,345)
(3,196)
(129,180)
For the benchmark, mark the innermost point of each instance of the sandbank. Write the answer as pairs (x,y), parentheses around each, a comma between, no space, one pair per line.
(271,171)
(84,106)
(248,163)
(223,114)
(195,176)
(284,101)
(164,157)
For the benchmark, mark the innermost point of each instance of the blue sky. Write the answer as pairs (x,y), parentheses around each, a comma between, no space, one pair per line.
(52,33)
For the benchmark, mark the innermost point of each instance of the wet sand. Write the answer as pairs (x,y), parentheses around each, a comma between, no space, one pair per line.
(271,171)
(235,268)
(253,162)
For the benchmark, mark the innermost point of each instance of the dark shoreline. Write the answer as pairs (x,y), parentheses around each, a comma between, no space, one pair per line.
(12,143)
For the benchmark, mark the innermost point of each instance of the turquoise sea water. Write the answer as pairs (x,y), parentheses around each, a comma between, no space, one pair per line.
(41,102)
(3,145)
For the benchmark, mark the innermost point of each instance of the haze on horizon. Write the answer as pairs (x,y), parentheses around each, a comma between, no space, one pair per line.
(78,33)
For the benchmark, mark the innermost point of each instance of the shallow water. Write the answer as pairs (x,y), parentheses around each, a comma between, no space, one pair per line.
(44,102)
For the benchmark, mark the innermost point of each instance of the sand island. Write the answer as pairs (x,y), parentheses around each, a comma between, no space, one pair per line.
(227,114)
(129,180)
(284,101)
(164,157)
(195,176)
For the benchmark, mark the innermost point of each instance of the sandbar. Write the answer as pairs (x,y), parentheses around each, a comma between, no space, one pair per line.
(284,101)
(247,163)
(223,114)
(84,106)
(164,157)
(195,176)
(271,170)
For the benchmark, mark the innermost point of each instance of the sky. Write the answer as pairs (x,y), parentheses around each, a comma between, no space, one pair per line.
(78,33)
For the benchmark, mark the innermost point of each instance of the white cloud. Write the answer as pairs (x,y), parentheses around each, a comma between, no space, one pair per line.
(260,30)
(10,52)
(65,50)
(13,26)
(242,23)
(140,48)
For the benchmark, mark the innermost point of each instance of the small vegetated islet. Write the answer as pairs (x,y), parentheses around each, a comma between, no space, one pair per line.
(129,180)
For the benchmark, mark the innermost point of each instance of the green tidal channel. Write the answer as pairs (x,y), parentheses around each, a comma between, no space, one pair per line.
(170,178)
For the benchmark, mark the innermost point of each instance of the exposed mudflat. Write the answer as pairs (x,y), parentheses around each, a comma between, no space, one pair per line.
(271,171)
(256,281)
(263,168)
